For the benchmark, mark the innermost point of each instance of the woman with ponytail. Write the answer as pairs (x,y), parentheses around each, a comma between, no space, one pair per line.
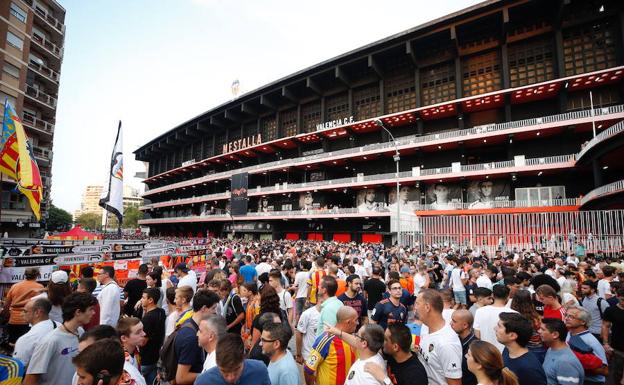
(486,363)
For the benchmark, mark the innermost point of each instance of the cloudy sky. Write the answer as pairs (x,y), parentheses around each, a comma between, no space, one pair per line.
(153,64)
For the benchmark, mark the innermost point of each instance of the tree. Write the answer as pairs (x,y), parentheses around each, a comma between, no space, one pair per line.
(132,215)
(90,221)
(58,219)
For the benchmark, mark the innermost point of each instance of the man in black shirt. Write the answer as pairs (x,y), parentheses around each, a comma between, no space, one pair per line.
(232,308)
(613,320)
(374,288)
(461,322)
(154,328)
(352,297)
(404,368)
(134,289)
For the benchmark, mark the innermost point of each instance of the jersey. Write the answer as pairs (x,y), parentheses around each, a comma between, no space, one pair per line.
(314,282)
(11,371)
(329,360)
(385,313)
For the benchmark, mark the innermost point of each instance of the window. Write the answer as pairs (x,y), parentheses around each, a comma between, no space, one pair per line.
(437,83)
(10,98)
(269,129)
(604,96)
(400,87)
(366,102)
(19,13)
(337,107)
(311,116)
(589,48)
(15,41)
(530,62)
(288,121)
(11,70)
(481,74)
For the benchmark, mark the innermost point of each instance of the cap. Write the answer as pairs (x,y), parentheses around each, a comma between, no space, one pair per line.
(59,276)
(405,269)
(182,266)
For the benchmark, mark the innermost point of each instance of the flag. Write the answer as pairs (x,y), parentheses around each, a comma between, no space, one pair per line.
(17,160)
(112,196)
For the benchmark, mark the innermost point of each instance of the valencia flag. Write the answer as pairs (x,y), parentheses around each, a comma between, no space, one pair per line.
(17,160)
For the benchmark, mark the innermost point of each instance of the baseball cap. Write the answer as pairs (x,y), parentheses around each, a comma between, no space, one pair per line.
(405,269)
(182,266)
(59,276)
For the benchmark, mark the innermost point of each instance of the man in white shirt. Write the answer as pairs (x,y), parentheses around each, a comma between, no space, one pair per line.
(211,329)
(286,303)
(604,285)
(301,286)
(440,347)
(486,317)
(306,331)
(186,276)
(367,342)
(368,263)
(263,266)
(458,280)
(36,313)
(110,305)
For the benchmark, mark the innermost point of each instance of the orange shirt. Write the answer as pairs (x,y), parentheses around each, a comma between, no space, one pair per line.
(17,297)
(407,284)
(342,286)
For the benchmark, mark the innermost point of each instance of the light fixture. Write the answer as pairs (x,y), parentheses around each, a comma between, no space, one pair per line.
(539,173)
(439,147)
(605,167)
(538,133)
(600,126)
(484,140)
(601,9)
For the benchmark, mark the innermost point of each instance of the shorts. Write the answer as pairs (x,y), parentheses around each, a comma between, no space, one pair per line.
(460,297)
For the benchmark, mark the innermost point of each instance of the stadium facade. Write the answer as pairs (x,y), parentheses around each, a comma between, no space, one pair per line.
(489,108)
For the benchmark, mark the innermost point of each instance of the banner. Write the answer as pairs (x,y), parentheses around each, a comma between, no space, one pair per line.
(112,196)
(483,194)
(238,197)
(441,196)
(371,200)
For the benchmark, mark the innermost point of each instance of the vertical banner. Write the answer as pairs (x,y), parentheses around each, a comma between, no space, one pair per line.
(238,199)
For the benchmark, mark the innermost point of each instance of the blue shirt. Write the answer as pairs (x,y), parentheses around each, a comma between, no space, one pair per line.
(187,349)
(248,272)
(527,367)
(254,373)
(385,313)
(563,368)
(284,371)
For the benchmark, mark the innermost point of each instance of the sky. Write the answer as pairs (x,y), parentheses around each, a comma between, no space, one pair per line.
(154,64)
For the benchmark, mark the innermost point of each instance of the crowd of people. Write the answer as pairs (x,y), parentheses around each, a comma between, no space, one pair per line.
(325,313)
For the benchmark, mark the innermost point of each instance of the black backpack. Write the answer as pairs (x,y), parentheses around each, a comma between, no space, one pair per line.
(168,359)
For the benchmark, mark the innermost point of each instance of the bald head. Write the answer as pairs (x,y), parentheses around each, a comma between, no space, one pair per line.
(461,321)
(345,313)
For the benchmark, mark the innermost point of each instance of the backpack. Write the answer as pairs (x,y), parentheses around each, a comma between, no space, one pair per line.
(168,359)
(599,304)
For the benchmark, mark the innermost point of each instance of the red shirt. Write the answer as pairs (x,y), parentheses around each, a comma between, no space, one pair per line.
(549,312)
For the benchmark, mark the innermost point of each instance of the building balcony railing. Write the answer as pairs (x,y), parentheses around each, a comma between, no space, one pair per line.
(417,174)
(412,141)
(47,45)
(49,19)
(39,153)
(352,212)
(608,189)
(186,201)
(41,96)
(37,124)
(604,135)
(45,71)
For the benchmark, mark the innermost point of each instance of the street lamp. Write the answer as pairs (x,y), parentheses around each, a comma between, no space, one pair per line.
(396,158)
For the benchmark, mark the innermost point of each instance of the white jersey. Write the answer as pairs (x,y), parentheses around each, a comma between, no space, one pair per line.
(441,355)
(358,376)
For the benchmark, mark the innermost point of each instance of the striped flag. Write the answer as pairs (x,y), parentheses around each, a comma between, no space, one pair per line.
(112,196)
(17,160)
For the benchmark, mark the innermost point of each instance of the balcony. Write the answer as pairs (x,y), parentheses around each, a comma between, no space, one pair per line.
(41,97)
(607,134)
(48,19)
(187,201)
(413,141)
(48,46)
(42,154)
(44,71)
(38,124)
(603,191)
(351,212)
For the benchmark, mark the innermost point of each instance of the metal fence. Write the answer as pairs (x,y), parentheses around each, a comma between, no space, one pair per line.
(597,230)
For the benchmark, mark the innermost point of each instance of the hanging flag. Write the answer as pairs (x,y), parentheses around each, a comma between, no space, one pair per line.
(17,160)
(112,196)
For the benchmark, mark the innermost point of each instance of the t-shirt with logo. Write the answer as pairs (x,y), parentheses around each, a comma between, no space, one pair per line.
(52,359)
(358,376)
(358,303)
(329,360)
(441,355)
(386,313)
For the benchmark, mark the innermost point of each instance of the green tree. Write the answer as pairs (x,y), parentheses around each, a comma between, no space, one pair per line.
(132,215)
(90,221)
(58,219)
